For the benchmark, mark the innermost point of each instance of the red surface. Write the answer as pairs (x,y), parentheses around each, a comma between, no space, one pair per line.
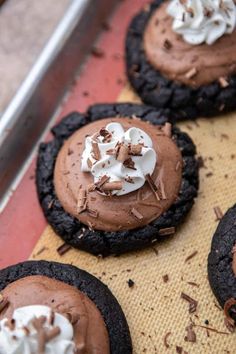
(101,80)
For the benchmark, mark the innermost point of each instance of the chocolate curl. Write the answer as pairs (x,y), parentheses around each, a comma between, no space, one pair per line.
(89,163)
(123,153)
(82,201)
(41,336)
(107,136)
(135,150)
(52,333)
(95,151)
(191,73)
(112,186)
(102,181)
(152,185)
(129,163)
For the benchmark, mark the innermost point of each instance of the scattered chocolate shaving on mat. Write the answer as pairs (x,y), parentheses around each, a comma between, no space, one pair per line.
(180,350)
(223,82)
(234,259)
(192,303)
(211,329)
(152,185)
(129,163)
(191,73)
(111,186)
(166,344)
(191,335)
(61,250)
(167,129)
(167,231)
(218,213)
(123,153)
(200,161)
(165,278)
(209,174)
(136,214)
(229,321)
(191,256)
(95,151)
(130,283)
(3,302)
(82,201)
(97,52)
(193,284)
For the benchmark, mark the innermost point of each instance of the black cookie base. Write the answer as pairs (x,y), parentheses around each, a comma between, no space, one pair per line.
(221,277)
(158,91)
(105,243)
(118,330)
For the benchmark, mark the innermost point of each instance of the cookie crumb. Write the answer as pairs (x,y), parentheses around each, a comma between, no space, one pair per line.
(165,278)
(218,212)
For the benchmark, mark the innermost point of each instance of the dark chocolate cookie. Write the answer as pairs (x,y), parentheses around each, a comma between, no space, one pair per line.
(118,330)
(104,243)
(157,90)
(220,273)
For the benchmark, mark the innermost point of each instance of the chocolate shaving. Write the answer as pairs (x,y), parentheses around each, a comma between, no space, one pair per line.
(193,283)
(41,341)
(228,309)
(218,212)
(136,214)
(129,163)
(123,153)
(82,201)
(191,335)
(11,324)
(61,250)
(167,129)
(130,283)
(111,152)
(166,344)
(167,44)
(112,186)
(3,302)
(152,186)
(102,181)
(192,303)
(162,188)
(167,231)
(191,256)
(52,318)
(95,151)
(191,73)
(129,179)
(135,150)
(89,163)
(52,333)
(38,322)
(177,166)
(211,329)
(223,82)
(92,212)
(107,136)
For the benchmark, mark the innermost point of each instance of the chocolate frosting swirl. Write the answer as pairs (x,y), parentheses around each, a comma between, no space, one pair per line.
(90,333)
(113,213)
(179,61)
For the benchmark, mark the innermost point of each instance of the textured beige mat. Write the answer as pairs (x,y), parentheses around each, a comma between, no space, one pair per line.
(154,307)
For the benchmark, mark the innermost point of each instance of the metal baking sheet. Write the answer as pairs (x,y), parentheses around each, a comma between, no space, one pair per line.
(31,110)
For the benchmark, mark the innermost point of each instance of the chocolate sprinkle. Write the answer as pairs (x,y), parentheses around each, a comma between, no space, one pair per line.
(191,256)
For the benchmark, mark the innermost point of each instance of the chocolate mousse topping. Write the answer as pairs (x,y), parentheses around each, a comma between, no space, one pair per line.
(81,198)
(193,65)
(90,333)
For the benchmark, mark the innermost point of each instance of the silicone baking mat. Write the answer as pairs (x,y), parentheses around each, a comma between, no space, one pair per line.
(153,306)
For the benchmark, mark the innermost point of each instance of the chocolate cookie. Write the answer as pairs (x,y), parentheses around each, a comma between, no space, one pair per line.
(222,261)
(99,242)
(155,88)
(118,331)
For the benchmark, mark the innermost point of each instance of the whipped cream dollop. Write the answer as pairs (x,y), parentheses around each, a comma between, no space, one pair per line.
(21,336)
(200,21)
(118,160)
